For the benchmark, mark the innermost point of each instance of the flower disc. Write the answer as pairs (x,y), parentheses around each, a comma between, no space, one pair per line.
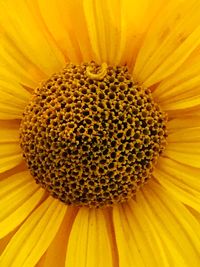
(90,135)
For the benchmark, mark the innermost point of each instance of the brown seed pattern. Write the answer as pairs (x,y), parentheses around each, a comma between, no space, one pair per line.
(92,141)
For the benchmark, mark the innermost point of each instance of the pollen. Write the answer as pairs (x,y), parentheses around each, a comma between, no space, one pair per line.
(91,136)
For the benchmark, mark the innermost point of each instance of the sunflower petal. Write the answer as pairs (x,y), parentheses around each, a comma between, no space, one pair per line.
(33,238)
(181,89)
(184,123)
(14,65)
(9,131)
(4,241)
(17,68)
(99,26)
(137,241)
(186,153)
(180,180)
(115,38)
(22,210)
(172,37)
(70,33)
(19,195)
(175,225)
(184,174)
(13,99)
(60,242)
(195,213)
(10,152)
(107,33)
(10,156)
(88,243)
(189,135)
(27,33)
(183,102)
(135,18)
(10,184)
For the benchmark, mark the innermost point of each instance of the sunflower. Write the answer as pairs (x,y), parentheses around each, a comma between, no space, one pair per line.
(99,133)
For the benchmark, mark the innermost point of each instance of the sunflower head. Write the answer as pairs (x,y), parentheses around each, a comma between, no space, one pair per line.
(85,86)
(91,136)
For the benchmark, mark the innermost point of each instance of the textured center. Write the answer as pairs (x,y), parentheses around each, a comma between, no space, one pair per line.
(91,136)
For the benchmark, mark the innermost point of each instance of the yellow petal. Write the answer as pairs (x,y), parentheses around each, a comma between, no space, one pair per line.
(180,180)
(127,247)
(10,184)
(56,253)
(184,103)
(135,18)
(188,135)
(126,24)
(9,131)
(10,156)
(4,241)
(16,68)
(98,26)
(9,149)
(22,210)
(10,152)
(107,28)
(35,235)
(9,112)
(19,168)
(19,195)
(26,31)
(185,122)
(13,99)
(172,37)
(186,114)
(88,243)
(117,27)
(182,87)
(184,174)
(137,241)
(174,224)
(104,31)
(195,213)
(186,153)
(14,89)
(66,22)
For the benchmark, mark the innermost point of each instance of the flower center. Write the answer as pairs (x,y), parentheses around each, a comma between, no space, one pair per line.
(91,136)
